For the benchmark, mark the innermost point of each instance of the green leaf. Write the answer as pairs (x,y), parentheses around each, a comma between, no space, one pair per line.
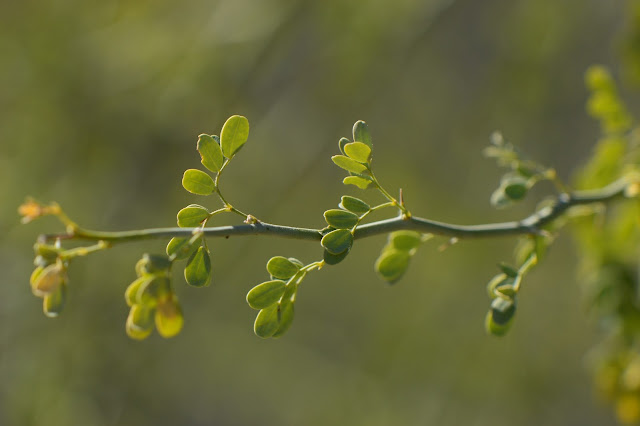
(502,310)
(341,219)
(48,280)
(168,318)
(285,317)
(501,283)
(197,182)
(282,268)
(515,188)
(235,133)
(361,133)
(140,321)
(150,290)
(357,181)
(131,293)
(337,241)
(405,240)
(210,152)
(192,216)
(348,164)
(180,247)
(334,259)
(296,261)
(267,322)
(354,204)
(392,264)
(152,263)
(198,270)
(341,143)
(358,151)
(54,302)
(493,328)
(265,294)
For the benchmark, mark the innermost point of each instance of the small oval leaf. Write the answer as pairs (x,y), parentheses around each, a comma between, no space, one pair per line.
(192,216)
(348,164)
(494,328)
(333,259)
(168,317)
(502,310)
(140,321)
(361,133)
(405,240)
(337,241)
(285,318)
(358,151)
(354,204)
(266,323)
(358,181)
(282,268)
(210,152)
(198,270)
(341,143)
(180,248)
(197,182)
(392,264)
(48,280)
(266,294)
(131,293)
(515,188)
(235,133)
(54,302)
(341,219)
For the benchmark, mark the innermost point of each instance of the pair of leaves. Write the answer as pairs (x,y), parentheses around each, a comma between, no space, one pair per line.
(50,283)
(394,259)
(338,242)
(213,150)
(275,298)
(166,315)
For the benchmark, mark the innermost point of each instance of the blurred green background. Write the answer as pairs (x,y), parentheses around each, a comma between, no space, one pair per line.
(100,107)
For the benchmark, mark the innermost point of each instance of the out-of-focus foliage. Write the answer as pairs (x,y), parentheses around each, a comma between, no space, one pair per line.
(101,105)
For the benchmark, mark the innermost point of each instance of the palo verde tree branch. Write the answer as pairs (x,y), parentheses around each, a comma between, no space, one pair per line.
(530,225)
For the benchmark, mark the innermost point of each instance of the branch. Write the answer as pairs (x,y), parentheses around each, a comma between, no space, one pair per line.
(529,225)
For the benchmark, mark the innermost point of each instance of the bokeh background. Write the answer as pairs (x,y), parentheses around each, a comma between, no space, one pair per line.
(100,106)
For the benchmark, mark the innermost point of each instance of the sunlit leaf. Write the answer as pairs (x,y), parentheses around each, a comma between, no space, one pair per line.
(494,328)
(341,219)
(333,259)
(192,216)
(131,293)
(210,152)
(341,143)
(197,182)
(337,241)
(358,181)
(348,164)
(235,133)
(285,318)
(140,321)
(361,133)
(54,302)
(405,240)
(282,268)
(392,264)
(358,151)
(266,294)
(198,270)
(354,205)
(180,247)
(168,317)
(266,323)
(49,280)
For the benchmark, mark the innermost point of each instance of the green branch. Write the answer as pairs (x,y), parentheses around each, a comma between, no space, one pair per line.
(529,225)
